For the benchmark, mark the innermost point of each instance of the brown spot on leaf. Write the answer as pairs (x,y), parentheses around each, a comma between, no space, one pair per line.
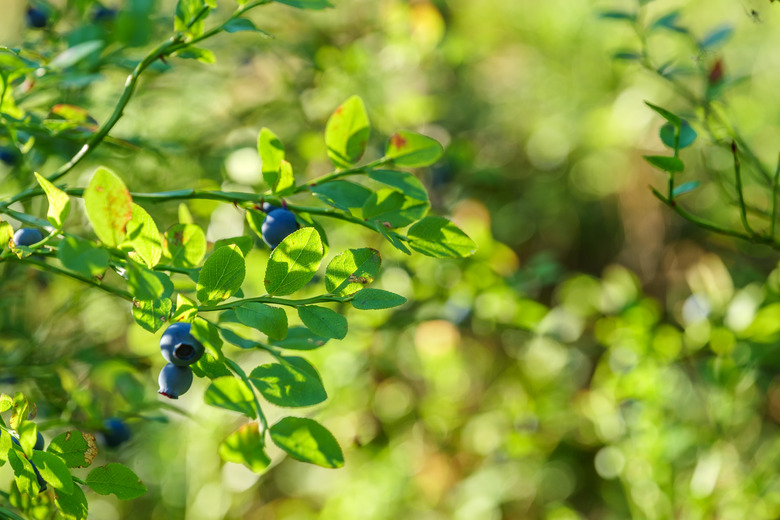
(91,452)
(397,141)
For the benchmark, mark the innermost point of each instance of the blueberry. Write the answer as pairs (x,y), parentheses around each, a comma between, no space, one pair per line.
(277,225)
(8,156)
(39,442)
(179,347)
(115,432)
(27,236)
(36,18)
(174,380)
(102,13)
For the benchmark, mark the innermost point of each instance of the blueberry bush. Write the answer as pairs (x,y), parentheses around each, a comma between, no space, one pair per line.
(175,279)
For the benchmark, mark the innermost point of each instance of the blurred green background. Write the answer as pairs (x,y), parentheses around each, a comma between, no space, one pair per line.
(597,358)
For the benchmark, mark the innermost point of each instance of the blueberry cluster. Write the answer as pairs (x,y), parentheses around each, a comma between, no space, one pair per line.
(278,223)
(181,350)
(39,444)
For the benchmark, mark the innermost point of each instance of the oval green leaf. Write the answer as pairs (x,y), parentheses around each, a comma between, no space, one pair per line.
(440,238)
(323,321)
(413,150)
(117,479)
(221,275)
(292,383)
(352,270)
(308,441)
(109,206)
(293,262)
(347,132)
(374,299)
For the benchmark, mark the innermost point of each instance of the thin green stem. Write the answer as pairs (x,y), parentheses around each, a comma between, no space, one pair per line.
(235,367)
(774,198)
(43,266)
(714,227)
(740,191)
(343,173)
(325,298)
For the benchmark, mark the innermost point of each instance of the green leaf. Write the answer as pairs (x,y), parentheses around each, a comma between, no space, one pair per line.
(143,283)
(271,321)
(404,182)
(716,37)
(323,321)
(6,444)
(352,270)
(687,135)
(245,446)
(244,243)
(53,470)
(675,120)
(293,262)
(185,217)
(205,332)
(75,54)
(293,382)
(221,276)
(230,393)
(144,237)
(117,479)
(186,12)
(234,339)
(307,441)
(73,506)
(300,338)
(23,473)
(28,434)
(185,245)
(271,152)
(198,54)
(394,208)
(440,238)
(76,449)
(627,55)
(347,132)
(665,163)
(617,15)
(211,367)
(374,299)
(412,150)
(109,206)
(391,237)
(285,182)
(243,24)
(186,309)
(6,233)
(151,314)
(341,194)
(59,202)
(82,256)
(685,188)
(306,4)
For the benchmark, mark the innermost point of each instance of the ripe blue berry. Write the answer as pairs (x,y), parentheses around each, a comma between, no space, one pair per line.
(174,380)
(277,225)
(115,432)
(27,236)
(8,156)
(36,18)
(102,13)
(179,347)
